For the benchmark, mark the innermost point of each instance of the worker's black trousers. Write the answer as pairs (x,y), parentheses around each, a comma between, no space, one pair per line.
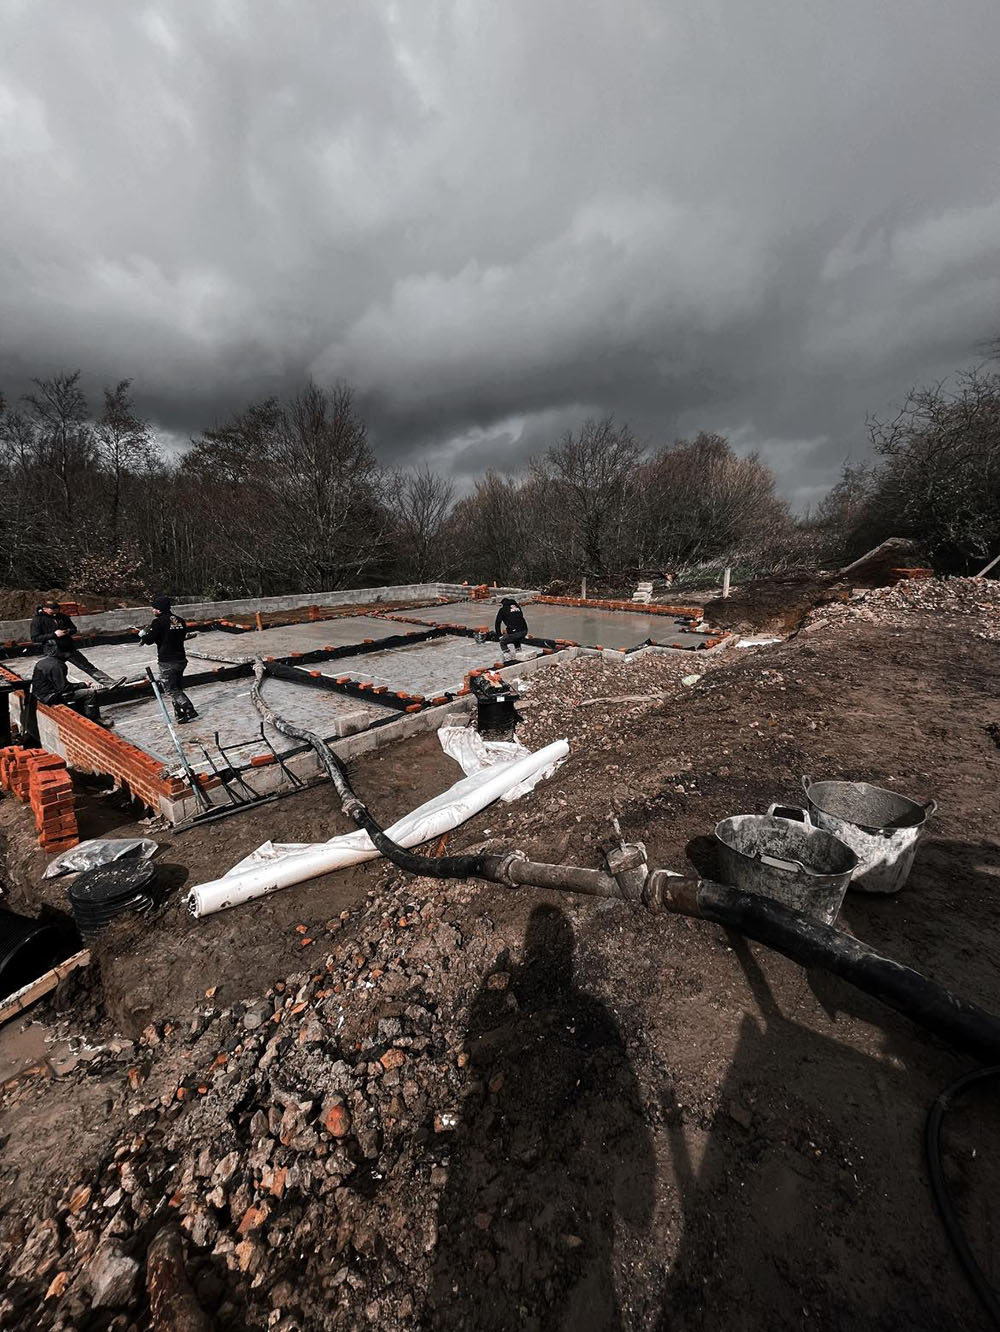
(78,659)
(511,640)
(171,677)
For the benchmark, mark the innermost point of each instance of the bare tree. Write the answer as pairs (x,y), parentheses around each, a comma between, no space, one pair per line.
(65,442)
(699,501)
(940,482)
(124,448)
(330,486)
(595,469)
(421,502)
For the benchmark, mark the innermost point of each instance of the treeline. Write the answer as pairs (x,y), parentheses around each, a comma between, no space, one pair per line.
(935,478)
(287,496)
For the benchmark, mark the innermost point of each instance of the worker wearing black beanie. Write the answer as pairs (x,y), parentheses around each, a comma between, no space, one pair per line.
(168,632)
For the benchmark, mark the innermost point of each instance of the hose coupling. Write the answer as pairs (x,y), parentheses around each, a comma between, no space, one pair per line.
(628,866)
(504,868)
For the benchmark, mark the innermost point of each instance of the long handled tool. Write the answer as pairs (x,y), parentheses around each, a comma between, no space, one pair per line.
(202,798)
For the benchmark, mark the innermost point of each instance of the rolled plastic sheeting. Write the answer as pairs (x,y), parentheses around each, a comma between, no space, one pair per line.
(278,865)
(472,753)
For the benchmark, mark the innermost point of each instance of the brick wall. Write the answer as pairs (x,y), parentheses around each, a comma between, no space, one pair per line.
(88,747)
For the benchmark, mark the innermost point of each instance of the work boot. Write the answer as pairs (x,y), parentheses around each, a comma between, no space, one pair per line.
(185,715)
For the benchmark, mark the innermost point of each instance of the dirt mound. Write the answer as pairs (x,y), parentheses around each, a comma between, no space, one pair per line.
(19,603)
(779,603)
(879,567)
(316,1142)
(775,605)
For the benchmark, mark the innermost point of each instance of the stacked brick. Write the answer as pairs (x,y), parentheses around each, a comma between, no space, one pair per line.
(40,779)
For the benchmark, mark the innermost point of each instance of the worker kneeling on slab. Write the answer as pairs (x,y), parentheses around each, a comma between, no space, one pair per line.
(168,632)
(50,683)
(511,627)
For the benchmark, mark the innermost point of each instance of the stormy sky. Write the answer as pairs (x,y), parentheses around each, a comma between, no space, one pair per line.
(497,217)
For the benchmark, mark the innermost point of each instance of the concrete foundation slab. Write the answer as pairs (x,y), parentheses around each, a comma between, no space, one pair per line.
(591,628)
(431,668)
(226,707)
(286,639)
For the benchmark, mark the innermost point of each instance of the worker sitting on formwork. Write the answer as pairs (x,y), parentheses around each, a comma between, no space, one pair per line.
(168,632)
(50,683)
(511,627)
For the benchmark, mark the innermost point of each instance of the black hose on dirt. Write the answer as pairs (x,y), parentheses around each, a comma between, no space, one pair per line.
(958,1022)
(439,867)
(942,1196)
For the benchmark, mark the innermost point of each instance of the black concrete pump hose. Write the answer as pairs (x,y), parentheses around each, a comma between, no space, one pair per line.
(441,867)
(958,1022)
(942,1194)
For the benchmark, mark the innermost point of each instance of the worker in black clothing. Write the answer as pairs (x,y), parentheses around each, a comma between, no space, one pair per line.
(50,622)
(168,632)
(511,627)
(51,684)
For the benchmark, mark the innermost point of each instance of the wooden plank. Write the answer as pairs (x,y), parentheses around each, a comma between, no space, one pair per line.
(23,998)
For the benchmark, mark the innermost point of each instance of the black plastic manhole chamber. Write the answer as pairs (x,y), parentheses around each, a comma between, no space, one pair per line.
(100,895)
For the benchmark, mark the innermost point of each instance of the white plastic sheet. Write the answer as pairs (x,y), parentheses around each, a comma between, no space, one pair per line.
(100,851)
(472,753)
(279,864)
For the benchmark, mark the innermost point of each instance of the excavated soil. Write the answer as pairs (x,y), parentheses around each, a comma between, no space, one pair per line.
(464,1107)
(18,603)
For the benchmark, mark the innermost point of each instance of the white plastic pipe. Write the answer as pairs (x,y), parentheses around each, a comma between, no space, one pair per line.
(275,866)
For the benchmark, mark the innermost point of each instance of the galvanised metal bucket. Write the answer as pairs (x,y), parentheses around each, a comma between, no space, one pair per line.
(782,856)
(881,827)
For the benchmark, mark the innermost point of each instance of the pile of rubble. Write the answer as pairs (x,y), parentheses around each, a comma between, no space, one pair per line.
(270,1149)
(303,1142)
(977,599)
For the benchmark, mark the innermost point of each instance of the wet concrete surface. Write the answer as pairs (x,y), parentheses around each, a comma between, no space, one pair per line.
(285,639)
(225,706)
(428,668)
(591,628)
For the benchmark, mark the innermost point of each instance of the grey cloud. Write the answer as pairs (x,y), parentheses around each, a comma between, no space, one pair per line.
(495,220)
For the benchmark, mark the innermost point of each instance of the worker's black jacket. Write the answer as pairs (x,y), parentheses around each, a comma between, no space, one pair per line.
(49,680)
(511,618)
(44,626)
(168,632)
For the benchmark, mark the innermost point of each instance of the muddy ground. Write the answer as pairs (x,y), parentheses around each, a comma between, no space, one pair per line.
(663,1127)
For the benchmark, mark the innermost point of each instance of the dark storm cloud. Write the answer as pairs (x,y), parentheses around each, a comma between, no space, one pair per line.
(493,220)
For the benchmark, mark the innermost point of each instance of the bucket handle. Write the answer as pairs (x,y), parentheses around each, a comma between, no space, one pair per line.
(806,783)
(777,863)
(793,812)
